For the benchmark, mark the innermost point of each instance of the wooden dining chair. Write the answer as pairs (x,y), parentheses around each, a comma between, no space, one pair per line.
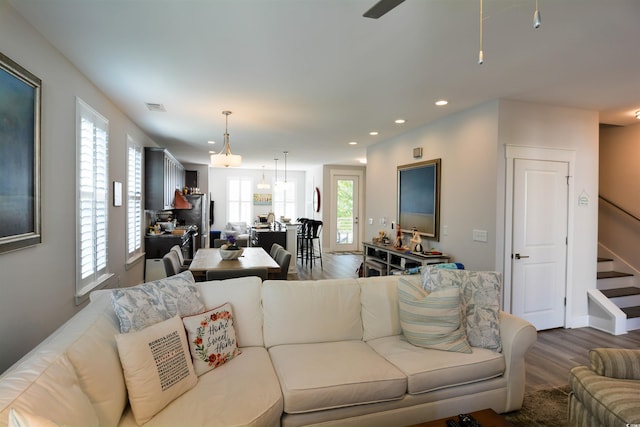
(221,274)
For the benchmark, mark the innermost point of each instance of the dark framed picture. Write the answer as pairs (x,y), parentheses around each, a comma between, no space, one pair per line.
(419,198)
(20,93)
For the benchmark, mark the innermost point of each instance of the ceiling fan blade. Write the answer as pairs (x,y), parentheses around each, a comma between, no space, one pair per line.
(381,7)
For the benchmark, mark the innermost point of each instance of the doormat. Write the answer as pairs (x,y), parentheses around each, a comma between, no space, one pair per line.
(542,408)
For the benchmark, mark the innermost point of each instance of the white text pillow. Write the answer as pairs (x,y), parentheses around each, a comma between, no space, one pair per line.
(157,366)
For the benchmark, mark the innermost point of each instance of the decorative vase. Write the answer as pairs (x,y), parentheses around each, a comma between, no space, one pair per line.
(228,254)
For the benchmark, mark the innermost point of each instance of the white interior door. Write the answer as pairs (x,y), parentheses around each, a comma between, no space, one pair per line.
(345,213)
(539,249)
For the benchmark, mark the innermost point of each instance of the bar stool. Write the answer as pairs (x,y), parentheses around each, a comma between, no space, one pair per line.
(311,237)
(301,233)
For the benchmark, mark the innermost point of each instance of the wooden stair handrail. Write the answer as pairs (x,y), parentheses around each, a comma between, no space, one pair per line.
(619,208)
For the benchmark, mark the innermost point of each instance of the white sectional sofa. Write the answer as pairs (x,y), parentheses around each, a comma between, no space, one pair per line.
(327,352)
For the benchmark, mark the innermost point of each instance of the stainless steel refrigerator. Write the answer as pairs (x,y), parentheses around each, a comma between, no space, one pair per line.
(197,216)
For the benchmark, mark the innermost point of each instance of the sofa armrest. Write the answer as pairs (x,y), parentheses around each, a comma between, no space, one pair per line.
(517,337)
(616,363)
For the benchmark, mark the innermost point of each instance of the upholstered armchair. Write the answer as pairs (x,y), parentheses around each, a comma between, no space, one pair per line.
(608,392)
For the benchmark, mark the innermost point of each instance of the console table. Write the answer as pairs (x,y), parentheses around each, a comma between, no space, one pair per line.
(385,258)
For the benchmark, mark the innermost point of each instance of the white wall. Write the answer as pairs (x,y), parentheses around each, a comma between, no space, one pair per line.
(471,146)
(218,190)
(466,143)
(37,284)
(620,183)
(536,125)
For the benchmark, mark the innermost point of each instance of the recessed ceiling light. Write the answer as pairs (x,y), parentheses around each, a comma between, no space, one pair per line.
(212,152)
(441,102)
(211,142)
(353,143)
(373,133)
(400,121)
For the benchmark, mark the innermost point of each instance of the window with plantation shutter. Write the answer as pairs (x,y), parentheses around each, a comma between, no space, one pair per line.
(93,196)
(134,198)
(284,199)
(239,200)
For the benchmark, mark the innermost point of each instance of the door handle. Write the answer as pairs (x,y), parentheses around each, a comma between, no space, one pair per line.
(518,256)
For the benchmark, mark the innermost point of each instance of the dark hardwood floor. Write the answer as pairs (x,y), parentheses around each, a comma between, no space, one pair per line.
(558,350)
(548,361)
(335,265)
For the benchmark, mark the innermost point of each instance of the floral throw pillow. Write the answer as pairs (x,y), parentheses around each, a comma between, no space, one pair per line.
(149,303)
(212,338)
(480,292)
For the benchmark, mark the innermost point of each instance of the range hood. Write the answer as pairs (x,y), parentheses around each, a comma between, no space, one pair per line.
(181,202)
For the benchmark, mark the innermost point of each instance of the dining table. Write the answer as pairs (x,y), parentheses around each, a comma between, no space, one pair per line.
(207,259)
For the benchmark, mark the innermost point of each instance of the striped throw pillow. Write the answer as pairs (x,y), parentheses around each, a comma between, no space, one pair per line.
(432,320)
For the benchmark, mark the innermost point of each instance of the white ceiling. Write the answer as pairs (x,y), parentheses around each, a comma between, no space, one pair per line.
(309,76)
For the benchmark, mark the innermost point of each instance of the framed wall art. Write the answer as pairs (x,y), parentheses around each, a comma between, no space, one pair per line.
(20,93)
(419,198)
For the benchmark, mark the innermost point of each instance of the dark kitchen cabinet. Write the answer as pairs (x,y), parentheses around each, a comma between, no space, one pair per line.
(266,238)
(163,175)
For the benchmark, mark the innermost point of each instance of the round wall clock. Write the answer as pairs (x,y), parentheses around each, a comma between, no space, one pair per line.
(316,200)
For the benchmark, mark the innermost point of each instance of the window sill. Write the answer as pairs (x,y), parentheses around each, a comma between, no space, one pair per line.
(82,296)
(134,260)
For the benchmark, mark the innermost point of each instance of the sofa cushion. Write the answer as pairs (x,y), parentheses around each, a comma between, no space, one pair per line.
(243,392)
(244,296)
(19,418)
(480,299)
(297,312)
(212,338)
(55,395)
(429,370)
(432,320)
(328,375)
(94,356)
(144,305)
(157,366)
(613,402)
(379,299)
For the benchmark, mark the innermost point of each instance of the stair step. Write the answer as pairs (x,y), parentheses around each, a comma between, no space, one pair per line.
(620,292)
(601,259)
(612,274)
(631,312)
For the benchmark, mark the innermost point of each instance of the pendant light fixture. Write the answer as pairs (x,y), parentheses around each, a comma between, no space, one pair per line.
(481,53)
(225,158)
(263,185)
(275,178)
(536,17)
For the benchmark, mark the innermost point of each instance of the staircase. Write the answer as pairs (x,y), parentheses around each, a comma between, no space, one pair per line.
(615,305)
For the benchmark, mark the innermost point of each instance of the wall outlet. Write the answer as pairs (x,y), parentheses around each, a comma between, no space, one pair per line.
(370,221)
(445,230)
(480,235)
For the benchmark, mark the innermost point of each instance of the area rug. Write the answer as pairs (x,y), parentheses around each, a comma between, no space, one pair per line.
(542,408)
